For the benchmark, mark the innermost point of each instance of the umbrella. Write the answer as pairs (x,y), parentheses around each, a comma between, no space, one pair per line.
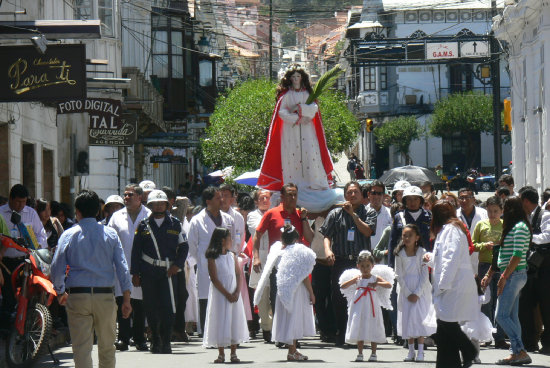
(413,174)
(248,178)
(222,173)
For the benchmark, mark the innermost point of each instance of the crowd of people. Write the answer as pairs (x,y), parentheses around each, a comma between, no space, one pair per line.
(151,267)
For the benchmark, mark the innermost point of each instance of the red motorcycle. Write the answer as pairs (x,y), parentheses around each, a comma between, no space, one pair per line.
(30,334)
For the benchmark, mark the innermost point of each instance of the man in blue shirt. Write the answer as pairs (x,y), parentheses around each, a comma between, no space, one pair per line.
(93,252)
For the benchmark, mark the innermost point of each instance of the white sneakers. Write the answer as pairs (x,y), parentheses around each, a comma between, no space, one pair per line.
(359,358)
(410,357)
(420,357)
(373,358)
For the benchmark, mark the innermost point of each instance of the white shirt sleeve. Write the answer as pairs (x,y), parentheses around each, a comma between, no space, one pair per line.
(544,236)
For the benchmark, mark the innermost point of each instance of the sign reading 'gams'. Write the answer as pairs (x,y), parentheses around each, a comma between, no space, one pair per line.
(444,50)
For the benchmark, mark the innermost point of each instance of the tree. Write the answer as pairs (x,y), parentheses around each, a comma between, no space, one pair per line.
(468,114)
(240,123)
(399,132)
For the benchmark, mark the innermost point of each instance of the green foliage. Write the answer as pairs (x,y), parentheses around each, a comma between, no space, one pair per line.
(326,81)
(399,132)
(240,123)
(467,113)
(288,34)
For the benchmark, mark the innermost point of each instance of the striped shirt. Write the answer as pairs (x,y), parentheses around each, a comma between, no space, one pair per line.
(516,244)
(337,227)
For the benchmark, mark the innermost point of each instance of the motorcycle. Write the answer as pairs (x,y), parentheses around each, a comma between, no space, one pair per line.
(30,334)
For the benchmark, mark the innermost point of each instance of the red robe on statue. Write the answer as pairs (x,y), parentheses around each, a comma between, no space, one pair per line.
(271,171)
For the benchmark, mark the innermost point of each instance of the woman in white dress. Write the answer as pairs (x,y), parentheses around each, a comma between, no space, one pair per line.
(414,301)
(225,323)
(293,317)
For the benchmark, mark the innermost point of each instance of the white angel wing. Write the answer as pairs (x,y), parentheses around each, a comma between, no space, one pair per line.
(346,276)
(384,294)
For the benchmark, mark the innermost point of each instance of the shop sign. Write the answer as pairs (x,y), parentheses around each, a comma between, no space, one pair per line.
(26,75)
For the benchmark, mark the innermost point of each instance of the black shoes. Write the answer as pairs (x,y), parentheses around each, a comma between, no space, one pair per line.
(121,345)
(502,344)
(166,349)
(545,350)
(142,346)
(267,336)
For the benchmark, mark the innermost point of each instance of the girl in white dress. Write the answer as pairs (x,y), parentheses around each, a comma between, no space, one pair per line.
(293,317)
(479,329)
(225,323)
(414,298)
(365,321)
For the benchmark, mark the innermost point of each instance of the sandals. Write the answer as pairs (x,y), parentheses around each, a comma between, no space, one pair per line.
(221,359)
(234,359)
(297,356)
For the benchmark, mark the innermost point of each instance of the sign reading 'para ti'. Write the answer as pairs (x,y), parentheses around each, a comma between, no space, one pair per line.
(26,75)
(106,126)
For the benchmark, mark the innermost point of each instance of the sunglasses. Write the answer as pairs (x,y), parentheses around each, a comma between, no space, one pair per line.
(376,193)
(129,194)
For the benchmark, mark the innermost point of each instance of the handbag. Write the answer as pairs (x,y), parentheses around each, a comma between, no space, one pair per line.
(535,259)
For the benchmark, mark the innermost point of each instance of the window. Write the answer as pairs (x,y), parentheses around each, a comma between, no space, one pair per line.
(83,9)
(383,78)
(105,13)
(205,73)
(369,78)
(167,45)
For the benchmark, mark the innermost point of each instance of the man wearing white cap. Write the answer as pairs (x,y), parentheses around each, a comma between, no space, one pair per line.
(147,186)
(125,223)
(112,204)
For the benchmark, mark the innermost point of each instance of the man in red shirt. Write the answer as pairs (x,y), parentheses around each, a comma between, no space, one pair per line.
(272,222)
(277,217)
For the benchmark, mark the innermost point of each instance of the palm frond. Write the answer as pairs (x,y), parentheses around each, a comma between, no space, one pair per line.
(326,81)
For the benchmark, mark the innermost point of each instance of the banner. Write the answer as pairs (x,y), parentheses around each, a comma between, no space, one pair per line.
(107,127)
(26,75)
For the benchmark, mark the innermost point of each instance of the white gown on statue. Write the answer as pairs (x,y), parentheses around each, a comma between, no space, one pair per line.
(225,323)
(412,276)
(300,153)
(365,323)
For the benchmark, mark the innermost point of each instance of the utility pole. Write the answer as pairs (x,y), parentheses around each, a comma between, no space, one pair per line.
(495,77)
(270,67)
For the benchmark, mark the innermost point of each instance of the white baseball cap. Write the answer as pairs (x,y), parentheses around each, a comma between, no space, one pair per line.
(401,185)
(147,185)
(114,199)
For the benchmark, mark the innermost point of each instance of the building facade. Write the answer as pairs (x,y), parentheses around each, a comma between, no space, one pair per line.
(524,29)
(393,86)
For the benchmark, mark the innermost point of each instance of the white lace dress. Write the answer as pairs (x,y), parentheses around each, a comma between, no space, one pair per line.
(365,322)
(225,323)
(412,277)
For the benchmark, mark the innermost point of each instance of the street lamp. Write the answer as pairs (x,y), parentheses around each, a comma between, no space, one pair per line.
(203,44)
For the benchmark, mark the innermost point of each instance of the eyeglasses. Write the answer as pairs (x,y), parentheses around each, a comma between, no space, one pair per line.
(464,198)
(129,194)
(376,193)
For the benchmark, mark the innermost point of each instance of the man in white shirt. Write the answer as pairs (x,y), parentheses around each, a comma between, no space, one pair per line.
(262,198)
(200,232)
(13,258)
(125,222)
(383,218)
(470,215)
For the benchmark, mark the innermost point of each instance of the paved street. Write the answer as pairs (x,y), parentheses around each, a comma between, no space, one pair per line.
(267,355)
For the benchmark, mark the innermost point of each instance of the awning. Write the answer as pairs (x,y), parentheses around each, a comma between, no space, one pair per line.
(366,24)
(52,29)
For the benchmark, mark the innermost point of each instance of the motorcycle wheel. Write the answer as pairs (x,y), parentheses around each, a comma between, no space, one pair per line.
(24,350)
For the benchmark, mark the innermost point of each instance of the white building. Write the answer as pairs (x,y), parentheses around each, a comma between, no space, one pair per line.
(384,92)
(525,30)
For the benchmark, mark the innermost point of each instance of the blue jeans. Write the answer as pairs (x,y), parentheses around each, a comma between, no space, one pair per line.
(507,309)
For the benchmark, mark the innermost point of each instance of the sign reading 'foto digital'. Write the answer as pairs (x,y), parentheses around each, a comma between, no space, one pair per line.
(107,127)
(445,50)
(26,75)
